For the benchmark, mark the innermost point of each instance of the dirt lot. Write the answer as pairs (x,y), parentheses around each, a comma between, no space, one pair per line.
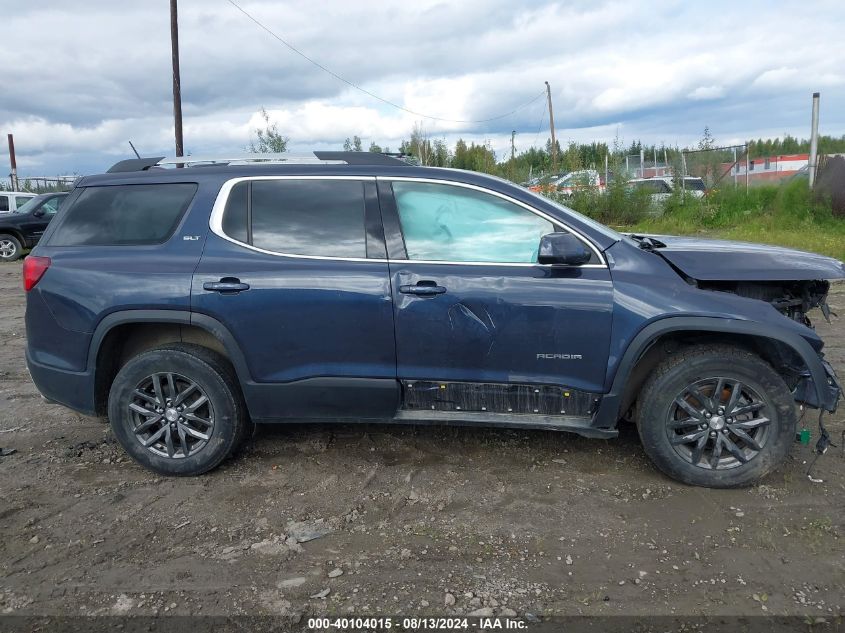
(400,520)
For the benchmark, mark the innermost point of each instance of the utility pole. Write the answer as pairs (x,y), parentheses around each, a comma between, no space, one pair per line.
(177,84)
(513,155)
(14,163)
(513,149)
(814,140)
(552,127)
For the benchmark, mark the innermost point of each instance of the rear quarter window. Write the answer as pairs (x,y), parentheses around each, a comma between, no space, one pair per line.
(124,215)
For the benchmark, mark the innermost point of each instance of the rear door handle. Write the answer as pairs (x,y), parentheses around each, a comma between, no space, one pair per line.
(422,289)
(227,285)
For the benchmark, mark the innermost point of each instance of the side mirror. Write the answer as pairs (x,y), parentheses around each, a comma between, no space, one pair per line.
(38,213)
(563,249)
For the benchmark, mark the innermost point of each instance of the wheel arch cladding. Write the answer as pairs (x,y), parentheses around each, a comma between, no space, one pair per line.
(122,335)
(612,404)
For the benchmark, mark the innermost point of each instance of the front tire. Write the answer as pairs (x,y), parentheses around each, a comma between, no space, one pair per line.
(10,248)
(177,410)
(716,416)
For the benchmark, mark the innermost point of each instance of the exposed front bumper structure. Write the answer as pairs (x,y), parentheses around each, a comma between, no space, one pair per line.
(808,393)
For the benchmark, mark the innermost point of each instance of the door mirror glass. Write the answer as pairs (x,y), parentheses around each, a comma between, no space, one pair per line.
(563,249)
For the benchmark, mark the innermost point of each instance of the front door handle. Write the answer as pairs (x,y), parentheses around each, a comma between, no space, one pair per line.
(423,289)
(227,285)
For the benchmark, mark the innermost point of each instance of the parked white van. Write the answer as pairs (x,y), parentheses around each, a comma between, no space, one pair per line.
(11,201)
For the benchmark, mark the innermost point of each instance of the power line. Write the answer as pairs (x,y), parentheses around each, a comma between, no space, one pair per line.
(371,94)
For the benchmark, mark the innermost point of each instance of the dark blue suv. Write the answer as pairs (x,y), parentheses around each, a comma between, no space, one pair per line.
(188,304)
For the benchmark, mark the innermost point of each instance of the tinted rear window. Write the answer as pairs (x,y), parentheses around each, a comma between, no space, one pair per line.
(235,221)
(299,217)
(124,215)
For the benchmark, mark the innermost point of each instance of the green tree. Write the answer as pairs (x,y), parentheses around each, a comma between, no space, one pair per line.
(374,148)
(707,141)
(571,158)
(474,157)
(269,139)
(353,144)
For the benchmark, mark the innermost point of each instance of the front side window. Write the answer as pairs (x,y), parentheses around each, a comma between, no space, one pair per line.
(52,205)
(22,200)
(4,204)
(457,224)
(323,218)
(120,215)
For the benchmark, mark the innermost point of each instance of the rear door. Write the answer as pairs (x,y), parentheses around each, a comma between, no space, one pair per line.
(22,200)
(295,268)
(473,305)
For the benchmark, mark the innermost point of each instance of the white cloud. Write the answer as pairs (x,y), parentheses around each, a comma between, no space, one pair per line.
(776,77)
(706,93)
(98,73)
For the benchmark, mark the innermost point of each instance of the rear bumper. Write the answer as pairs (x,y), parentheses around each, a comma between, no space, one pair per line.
(72,389)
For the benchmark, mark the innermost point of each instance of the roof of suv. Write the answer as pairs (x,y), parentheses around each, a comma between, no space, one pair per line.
(326,164)
(214,175)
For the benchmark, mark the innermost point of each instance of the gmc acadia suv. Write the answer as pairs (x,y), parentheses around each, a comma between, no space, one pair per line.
(189,304)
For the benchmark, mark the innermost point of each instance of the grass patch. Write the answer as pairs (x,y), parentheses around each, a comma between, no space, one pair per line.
(785,215)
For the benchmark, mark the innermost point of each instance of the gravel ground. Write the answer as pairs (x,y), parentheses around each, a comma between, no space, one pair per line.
(372,519)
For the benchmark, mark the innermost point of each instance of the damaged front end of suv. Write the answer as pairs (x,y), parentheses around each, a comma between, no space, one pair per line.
(792,282)
(793,299)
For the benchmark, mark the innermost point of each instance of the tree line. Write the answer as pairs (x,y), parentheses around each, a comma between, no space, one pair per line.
(538,161)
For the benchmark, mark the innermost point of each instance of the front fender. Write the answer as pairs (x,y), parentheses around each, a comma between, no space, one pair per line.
(821,382)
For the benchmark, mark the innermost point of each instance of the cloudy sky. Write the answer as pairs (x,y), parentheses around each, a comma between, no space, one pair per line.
(80,79)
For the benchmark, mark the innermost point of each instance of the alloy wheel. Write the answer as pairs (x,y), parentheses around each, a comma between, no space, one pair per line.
(171,415)
(8,249)
(718,423)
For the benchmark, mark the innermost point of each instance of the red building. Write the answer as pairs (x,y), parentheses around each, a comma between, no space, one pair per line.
(769,168)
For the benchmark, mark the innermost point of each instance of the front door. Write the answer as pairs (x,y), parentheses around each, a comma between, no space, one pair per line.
(295,269)
(471,302)
(36,223)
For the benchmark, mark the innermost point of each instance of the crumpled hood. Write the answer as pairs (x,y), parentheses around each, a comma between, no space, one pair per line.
(723,260)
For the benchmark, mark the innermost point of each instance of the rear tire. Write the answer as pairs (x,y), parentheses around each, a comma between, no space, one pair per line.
(10,248)
(178,410)
(716,416)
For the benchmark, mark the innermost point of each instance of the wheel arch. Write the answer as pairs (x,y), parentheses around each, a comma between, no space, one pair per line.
(122,335)
(16,233)
(777,346)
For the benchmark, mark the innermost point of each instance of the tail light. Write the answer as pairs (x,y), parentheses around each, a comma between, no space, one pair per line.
(34,268)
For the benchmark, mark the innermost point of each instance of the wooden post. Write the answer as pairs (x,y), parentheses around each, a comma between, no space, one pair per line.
(14,163)
(814,140)
(177,84)
(552,127)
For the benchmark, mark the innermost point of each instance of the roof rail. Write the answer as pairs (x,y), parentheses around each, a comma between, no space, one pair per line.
(350,158)
(363,158)
(240,158)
